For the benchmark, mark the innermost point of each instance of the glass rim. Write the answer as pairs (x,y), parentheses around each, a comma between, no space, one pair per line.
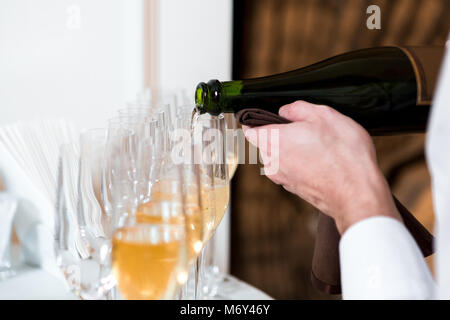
(93,130)
(143,110)
(130,119)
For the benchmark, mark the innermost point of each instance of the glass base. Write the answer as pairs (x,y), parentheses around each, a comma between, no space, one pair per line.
(6,273)
(219,286)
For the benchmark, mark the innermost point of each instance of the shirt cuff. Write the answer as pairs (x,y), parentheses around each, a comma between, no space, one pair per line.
(380,260)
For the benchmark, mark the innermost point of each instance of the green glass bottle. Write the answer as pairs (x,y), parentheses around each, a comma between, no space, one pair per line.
(377,87)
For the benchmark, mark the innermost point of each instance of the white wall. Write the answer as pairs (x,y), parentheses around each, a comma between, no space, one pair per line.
(195,39)
(80,59)
(195,42)
(83,59)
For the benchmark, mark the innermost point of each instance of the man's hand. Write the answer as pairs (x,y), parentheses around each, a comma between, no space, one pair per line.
(328,160)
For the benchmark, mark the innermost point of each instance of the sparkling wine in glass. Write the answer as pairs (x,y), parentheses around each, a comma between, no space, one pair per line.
(150,260)
(151,256)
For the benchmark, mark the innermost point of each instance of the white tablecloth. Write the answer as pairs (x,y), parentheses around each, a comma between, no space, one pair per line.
(36,284)
(30,283)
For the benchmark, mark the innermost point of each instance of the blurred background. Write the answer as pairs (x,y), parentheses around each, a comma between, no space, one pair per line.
(273,231)
(83,59)
(75,58)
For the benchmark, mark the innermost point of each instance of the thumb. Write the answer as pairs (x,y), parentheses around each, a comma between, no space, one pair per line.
(298,111)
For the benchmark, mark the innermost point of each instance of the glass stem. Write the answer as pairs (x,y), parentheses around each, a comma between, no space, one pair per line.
(197,284)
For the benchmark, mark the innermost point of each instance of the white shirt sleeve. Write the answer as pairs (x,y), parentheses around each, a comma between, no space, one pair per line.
(381,260)
(438,158)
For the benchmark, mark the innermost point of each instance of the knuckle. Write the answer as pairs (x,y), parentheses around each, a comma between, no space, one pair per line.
(297,104)
(325,111)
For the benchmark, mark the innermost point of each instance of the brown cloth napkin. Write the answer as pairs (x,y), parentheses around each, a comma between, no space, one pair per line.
(259,117)
(325,273)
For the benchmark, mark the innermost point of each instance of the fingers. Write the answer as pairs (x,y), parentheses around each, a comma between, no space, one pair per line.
(299,111)
(263,137)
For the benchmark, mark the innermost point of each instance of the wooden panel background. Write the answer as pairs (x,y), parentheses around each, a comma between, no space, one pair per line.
(273,231)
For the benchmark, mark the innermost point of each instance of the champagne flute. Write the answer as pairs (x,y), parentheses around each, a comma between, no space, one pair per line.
(185,174)
(208,153)
(94,221)
(183,153)
(210,141)
(151,257)
(210,150)
(155,96)
(150,149)
(175,197)
(70,250)
(119,189)
(216,280)
(99,215)
(83,225)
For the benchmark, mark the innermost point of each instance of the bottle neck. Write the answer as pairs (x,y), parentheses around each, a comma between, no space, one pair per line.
(212,97)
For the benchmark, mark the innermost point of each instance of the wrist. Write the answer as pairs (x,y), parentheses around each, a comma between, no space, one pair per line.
(372,199)
(345,223)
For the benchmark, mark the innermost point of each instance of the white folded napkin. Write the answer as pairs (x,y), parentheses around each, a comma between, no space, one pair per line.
(8,206)
(32,221)
(29,154)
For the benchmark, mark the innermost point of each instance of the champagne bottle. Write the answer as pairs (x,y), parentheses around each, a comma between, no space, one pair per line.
(385,89)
